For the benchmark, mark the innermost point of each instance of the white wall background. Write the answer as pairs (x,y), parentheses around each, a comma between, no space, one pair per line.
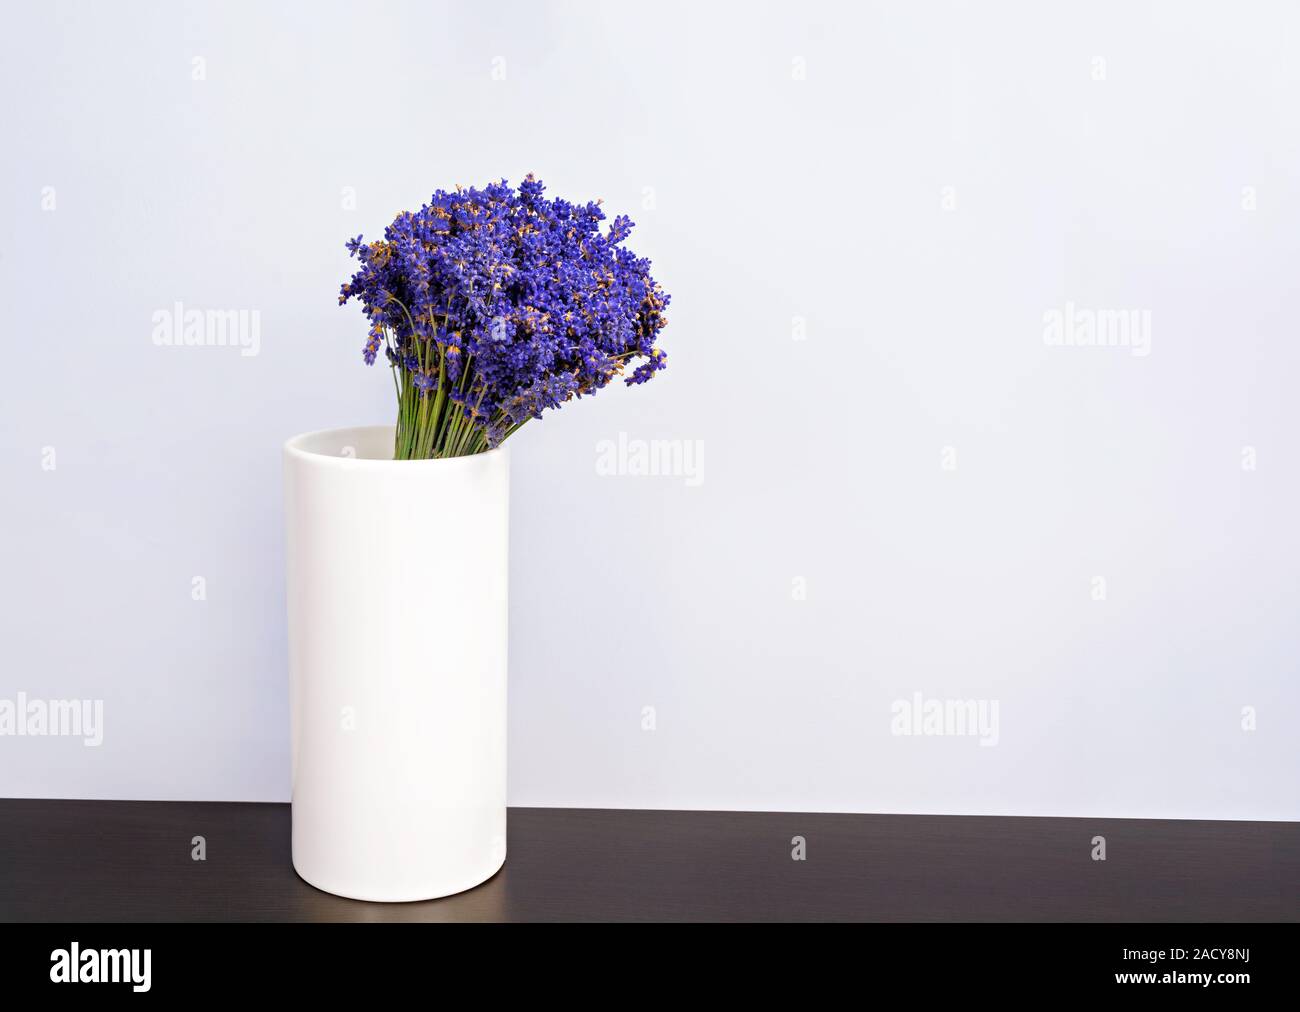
(773,198)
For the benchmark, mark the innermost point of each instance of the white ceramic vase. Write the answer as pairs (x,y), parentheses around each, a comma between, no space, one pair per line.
(396,582)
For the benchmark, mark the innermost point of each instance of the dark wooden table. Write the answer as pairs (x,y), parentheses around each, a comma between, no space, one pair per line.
(131,861)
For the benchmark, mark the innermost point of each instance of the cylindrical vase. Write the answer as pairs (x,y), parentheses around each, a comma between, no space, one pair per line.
(397,600)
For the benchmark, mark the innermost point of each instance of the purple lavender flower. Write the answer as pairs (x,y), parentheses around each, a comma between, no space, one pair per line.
(499,305)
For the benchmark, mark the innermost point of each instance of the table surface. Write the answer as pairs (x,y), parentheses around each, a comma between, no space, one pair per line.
(131,861)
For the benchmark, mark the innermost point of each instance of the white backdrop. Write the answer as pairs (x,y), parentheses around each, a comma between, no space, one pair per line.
(875,220)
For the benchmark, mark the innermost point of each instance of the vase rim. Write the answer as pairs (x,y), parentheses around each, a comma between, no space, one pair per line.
(299,447)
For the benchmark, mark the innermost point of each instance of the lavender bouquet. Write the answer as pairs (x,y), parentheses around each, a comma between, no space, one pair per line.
(493,305)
